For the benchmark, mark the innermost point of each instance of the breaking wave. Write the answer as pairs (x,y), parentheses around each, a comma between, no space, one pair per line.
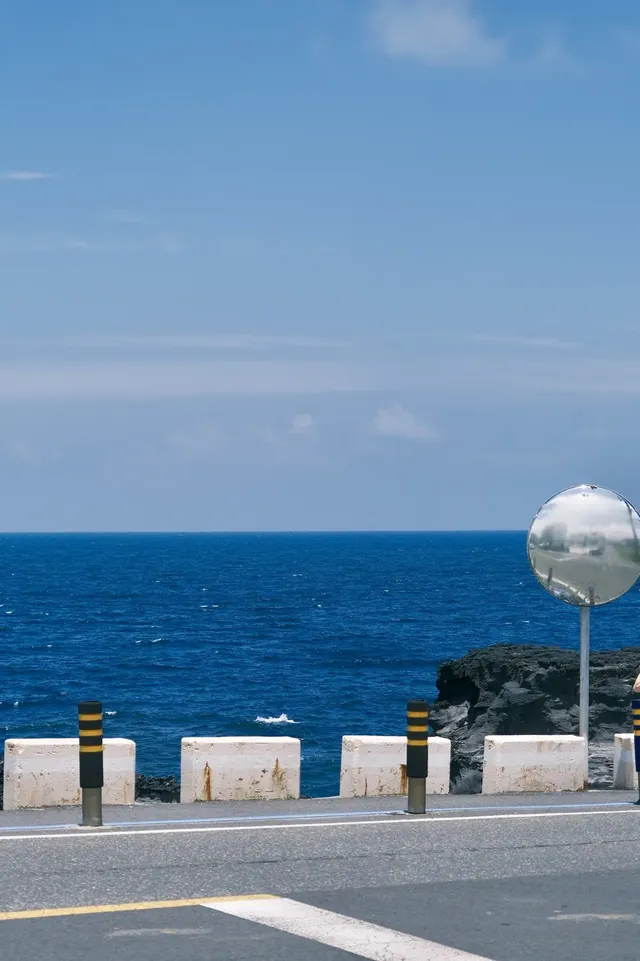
(283,719)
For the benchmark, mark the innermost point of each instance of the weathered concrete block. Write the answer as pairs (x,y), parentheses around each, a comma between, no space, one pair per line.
(528,763)
(44,772)
(239,768)
(624,764)
(376,766)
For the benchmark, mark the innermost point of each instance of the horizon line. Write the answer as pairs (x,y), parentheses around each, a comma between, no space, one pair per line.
(196,531)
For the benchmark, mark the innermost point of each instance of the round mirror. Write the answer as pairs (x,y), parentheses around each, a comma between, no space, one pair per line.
(584,545)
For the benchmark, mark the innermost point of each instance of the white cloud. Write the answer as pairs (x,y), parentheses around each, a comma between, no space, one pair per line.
(24,175)
(301,425)
(198,442)
(438,33)
(397,421)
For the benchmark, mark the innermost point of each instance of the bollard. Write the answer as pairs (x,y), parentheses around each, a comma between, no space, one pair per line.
(417,756)
(91,762)
(635,717)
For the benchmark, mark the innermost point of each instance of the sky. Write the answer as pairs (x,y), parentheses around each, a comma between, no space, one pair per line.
(316,264)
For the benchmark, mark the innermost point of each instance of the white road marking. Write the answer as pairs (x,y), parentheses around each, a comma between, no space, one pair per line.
(359,937)
(153,932)
(635,918)
(112,831)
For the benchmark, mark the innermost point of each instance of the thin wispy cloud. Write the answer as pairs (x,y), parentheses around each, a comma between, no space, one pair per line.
(437,33)
(120,215)
(175,378)
(198,442)
(164,342)
(11,245)
(24,175)
(397,421)
(542,343)
(271,438)
(119,380)
(22,451)
(627,37)
(553,54)
(44,242)
(169,243)
(302,425)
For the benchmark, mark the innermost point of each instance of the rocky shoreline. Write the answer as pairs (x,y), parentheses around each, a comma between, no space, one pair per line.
(515,689)
(507,689)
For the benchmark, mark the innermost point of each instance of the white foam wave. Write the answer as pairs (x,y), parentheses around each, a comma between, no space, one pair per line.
(111,713)
(283,719)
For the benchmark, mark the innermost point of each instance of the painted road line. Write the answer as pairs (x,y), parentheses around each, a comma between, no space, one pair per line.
(323,815)
(127,906)
(89,834)
(358,937)
(239,819)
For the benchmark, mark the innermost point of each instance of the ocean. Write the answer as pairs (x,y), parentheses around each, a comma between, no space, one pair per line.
(309,635)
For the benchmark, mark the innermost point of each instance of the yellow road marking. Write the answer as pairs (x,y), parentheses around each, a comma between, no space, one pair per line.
(116,908)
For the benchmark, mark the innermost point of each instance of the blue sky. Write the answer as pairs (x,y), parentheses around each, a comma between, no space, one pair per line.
(316,265)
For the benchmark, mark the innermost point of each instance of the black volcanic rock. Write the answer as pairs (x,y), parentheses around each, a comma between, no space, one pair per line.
(165,788)
(514,689)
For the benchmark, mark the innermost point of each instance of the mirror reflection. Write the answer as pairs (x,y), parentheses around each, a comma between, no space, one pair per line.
(584,545)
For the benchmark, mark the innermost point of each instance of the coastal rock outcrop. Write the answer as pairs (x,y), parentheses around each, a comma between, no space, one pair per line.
(518,689)
(163,788)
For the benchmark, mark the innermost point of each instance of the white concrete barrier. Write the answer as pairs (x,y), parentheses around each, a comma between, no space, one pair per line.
(528,763)
(45,772)
(376,766)
(624,764)
(239,768)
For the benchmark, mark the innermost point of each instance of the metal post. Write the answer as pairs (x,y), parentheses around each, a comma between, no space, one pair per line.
(91,762)
(585,613)
(417,756)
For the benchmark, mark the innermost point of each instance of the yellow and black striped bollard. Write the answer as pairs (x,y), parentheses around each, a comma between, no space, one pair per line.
(635,715)
(417,756)
(91,762)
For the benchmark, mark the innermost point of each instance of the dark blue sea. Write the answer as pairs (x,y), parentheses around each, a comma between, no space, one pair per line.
(310,635)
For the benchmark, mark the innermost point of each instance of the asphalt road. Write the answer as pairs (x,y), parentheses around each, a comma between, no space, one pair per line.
(505,879)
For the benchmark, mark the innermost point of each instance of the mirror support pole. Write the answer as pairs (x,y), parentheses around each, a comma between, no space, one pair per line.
(585,614)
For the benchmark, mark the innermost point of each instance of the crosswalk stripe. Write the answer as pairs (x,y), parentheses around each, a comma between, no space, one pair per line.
(359,937)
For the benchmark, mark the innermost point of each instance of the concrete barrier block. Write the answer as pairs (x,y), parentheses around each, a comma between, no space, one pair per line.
(624,763)
(239,769)
(376,766)
(45,772)
(529,763)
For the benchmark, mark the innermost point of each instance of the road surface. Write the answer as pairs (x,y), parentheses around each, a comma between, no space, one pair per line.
(506,879)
